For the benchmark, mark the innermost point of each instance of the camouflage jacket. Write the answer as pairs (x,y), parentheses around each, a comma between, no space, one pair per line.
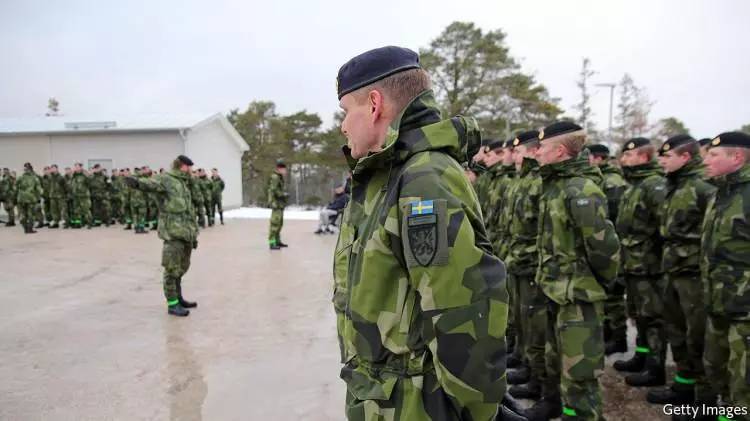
(177,220)
(493,180)
(614,187)
(523,257)
(682,215)
(725,245)
(8,188)
(196,191)
(45,179)
(579,251)
(277,195)
(29,188)
(99,185)
(504,212)
(57,186)
(206,189)
(417,288)
(638,219)
(481,187)
(217,186)
(79,186)
(118,186)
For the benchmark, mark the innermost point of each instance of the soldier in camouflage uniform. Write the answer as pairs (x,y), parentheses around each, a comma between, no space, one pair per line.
(217,189)
(29,194)
(522,261)
(68,197)
(615,317)
(8,186)
(277,200)
(152,202)
(420,299)
(493,180)
(117,185)
(45,195)
(725,268)
(99,186)
(578,253)
(57,190)
(681,288)
(638,226)
(206,189)
(38,208)
(80,190)
(482,175)
(197,195)
(138,204)
(177,228)
(127,214)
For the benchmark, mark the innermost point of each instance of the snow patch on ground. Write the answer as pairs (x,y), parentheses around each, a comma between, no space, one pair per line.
(264,213)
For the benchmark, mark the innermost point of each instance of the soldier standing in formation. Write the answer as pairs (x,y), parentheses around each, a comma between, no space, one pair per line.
(277,200)
(9,193)
(177,228)
(217,190)
(79,187)
(57,191)
(432,271)
(29,188)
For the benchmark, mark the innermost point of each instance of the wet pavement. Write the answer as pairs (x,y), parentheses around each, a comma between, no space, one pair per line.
(84,332)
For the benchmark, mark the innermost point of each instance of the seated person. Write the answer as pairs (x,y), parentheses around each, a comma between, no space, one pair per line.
(337,205)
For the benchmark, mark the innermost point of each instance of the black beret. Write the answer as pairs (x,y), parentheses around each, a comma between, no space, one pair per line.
(598,149)
(374,65)
(493,144)
(731,139)
(28,166)
(185,160)
(675,142)
(705,141)
(526,137)
(280,163)
(636,142)
(558,129)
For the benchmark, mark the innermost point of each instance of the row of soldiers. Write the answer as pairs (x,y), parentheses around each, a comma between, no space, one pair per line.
(652,236)
(80,198)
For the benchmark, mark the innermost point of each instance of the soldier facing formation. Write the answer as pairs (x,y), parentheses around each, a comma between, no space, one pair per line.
(93,198)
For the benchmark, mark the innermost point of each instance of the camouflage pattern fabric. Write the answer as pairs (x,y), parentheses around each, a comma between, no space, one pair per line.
(684,311)
(116,197)
(138,205)
(45,196)
(207,191)
(175,259)
(57,188)
(277,198)
(481,187)
(29,193)
(725,269)
(152,208)
(217,189)
(578,253)
(100,205)
(79,187)
(40,206)
(739,364)
(198,204)
(716,355)
(420,299)
(8,184)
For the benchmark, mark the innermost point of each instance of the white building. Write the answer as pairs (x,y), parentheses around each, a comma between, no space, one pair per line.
(155,141)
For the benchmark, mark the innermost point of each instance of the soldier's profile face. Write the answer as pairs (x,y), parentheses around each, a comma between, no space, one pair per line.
(633,157)
(549,152)
(358,126)
(671,161)
(722,161)
(493,157)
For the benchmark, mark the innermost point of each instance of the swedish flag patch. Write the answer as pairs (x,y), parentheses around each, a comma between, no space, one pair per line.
(422,207)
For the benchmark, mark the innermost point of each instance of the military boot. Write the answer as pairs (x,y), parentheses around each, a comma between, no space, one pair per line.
(507,414)
(678,393)
(10,224)
(544,409)
(633,365)
(652,375)
(201,222)
(615,345)
(530,390)
(177,310)
(274,247)
(183,302)
(221,217)
(520,375)
(39,224)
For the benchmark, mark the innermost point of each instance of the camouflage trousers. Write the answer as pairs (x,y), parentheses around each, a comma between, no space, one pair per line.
(138,213)
(514,332)
(649,308)
(200,212)
(739,363)
(38,214)
(209,211)
(100,208)
(57,210)
(10,209)
(685,317)
(152,212)
(415,398)
(575,358)
(216,204)
(46,208)
(26,213)
(82,211)
(274,229)
(175,259)
(126,212)
(615,317)
(716,354)
(533,324)
(116,213)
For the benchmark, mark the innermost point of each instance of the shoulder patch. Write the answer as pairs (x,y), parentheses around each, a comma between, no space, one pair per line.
(425,232)
(583,202)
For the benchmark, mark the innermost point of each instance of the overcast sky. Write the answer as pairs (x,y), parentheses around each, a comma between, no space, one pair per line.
(103,57)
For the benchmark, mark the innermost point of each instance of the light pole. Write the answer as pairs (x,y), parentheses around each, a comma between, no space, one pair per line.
(611,87)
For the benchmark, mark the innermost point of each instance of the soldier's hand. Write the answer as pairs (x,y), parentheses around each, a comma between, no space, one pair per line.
(195,244)
(131,181)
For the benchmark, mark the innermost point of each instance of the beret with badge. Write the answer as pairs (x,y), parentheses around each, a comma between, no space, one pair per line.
(705,141)
(676,142)
(731,140)
(598,149)
(493,144)
(526,137)
(636,142)
(558,129)
(374,65)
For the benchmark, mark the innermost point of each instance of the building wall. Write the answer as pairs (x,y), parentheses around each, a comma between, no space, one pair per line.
(16,150)
(210,146)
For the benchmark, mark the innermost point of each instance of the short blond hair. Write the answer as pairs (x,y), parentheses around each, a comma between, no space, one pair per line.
(573,142)
(401,88)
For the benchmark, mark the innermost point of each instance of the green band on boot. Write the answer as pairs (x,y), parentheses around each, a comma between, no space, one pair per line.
(569,411)
(683,380)
(172,303)
(272,242)
(642,350)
